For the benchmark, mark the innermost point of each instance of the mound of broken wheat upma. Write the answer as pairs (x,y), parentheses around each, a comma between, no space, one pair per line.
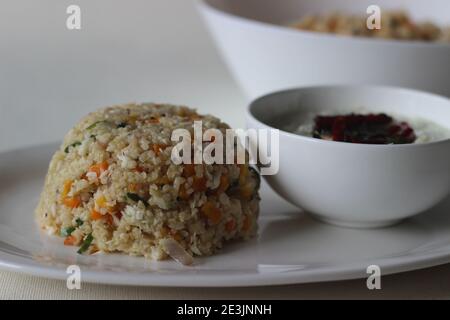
(113,187)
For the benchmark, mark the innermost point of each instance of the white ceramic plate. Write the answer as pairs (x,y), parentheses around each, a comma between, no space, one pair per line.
(291,248)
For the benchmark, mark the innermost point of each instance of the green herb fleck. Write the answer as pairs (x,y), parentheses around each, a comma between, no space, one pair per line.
(136,197)
(65,232)
(92,126)
(76,143)
(86,243)
(79,222)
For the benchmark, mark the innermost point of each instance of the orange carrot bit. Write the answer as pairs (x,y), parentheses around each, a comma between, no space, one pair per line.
(207,208)
(99,168)
(243,174)
(95,215)
(199,184)
(152,120)
(93,249)
(195,116)
(72,202)
(109,219)
(162,180)
(139,169)
(246,223)
(158,148)
(246,191)
(70,241)
(224,184)
(215,216)
(182,193)
(188,170)
(66,188)
(101,202)
(133,187)
(230,225)
(175,235)
(211,212)
(184,112)
(164,231)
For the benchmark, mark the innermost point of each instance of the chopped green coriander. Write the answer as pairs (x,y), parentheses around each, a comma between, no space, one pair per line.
(76,143)
(86,243)
(92,126)
(136,197)
(65,232)
(79,222)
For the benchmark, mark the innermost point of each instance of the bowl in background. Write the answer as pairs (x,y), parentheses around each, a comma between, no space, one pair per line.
(265,56)
(356,185)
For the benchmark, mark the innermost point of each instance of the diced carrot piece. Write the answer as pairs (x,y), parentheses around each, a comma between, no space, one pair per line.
(72,202)
(95,215)
(152,120)
(162,180)
(139,169)
(246,191)
(93,249)
(70,241)
(109,219)
(157,148)
(66,188)
(195,116)
(224,184)
(246,223)
(215,216)
(243,173)
(188,170)
(230,225)
(99,168)
(164,231)
(175,235)
(207,207)
(211,212)
(199,184)
(132,187)
(182,193)
(184,112)
(101,202)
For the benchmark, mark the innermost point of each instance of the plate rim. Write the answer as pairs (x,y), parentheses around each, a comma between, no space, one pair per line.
(408,261)
(351,271)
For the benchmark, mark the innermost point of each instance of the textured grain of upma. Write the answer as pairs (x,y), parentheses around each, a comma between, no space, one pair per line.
(113,187)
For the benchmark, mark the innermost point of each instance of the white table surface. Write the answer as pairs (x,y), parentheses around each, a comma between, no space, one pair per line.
(135,50)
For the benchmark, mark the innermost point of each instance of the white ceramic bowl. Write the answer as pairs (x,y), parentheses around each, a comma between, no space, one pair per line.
(356,185)
(265,56)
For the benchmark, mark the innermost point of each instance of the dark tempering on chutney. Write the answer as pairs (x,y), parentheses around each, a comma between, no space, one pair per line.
(363,128)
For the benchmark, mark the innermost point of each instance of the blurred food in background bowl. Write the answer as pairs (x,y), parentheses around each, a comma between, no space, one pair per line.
(396,25)
(265,54)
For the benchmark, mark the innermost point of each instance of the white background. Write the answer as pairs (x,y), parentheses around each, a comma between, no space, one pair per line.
(138,50)
(126,51)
